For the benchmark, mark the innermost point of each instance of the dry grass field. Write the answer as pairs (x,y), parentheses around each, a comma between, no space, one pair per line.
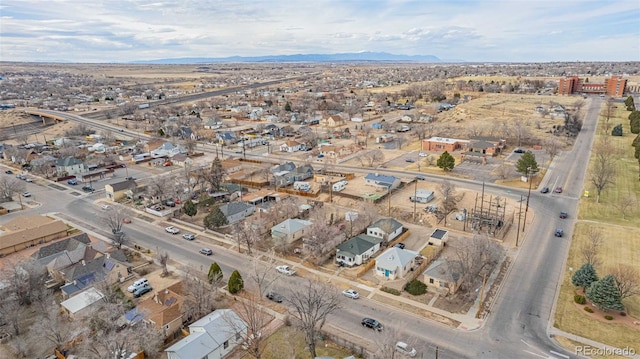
(621,244)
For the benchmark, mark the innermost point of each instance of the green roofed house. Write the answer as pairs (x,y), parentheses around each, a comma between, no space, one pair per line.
(357,250)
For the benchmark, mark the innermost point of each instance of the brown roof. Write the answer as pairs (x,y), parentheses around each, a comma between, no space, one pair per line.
(163,308)
(230,163)
(29,228)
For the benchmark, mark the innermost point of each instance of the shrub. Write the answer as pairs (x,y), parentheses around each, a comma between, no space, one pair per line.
(608,317)
(580,299)
(588,309)
(390,290)
(215,273)
(416,287)
(235,282)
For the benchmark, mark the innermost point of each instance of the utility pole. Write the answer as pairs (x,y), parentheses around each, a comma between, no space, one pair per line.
(524,224)
(389,205)
(415,198)
(519,216)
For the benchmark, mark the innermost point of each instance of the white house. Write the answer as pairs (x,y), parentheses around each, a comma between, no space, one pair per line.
(212,337)
(357,250)
(290,230)
(385,227)
(290,146)
(84,303)
(69,166)
(378,180)
(395,263)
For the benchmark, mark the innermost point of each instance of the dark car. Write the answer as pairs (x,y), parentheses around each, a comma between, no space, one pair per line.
(72,182)
(410,160)
(545,190)
(559,232)
(142,290)
(9,172)
(519,150)
(399,245)
(274,297)
(88,189)
(558,190)
(421,178)
(564,215)
(372,323)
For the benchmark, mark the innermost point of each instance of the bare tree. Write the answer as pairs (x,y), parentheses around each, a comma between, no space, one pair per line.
(603,171)
(201,296)
(625,205)
(311,304)
(504,171)
(449,202)
(590,249)
(371,158)
(10,186)
(114,219)
(322,237)
(254,342)
(401,140)
(158,187)
(520,131)
(627,280)
(163,259)
(55,327)
(262,273)
(386,343)
(12,312)
(552,147)
(474,257)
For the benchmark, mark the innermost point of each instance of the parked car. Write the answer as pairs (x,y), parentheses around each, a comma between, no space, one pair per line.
(285,270)
(21,176)
(189,236)
(9,172)
(275,297)
(558,190)
(172,230)
(371,323)
(421,178)
(410,160)
(559,232)
(130,178)
(564,215)
(26,194)
(72,182)
(400,245)
(126,220)
(137,284)
(170,203)
(105,207)
(29,180)
(350,293)
(422,154)
(88,189)
(404,348)
(544,190)
(142,290)
(206,251)
(519,150)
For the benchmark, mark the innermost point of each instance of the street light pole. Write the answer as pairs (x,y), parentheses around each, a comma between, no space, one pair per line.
(524,224)
(415,198)
(519,216)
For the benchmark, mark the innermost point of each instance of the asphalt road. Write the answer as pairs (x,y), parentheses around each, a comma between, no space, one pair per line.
(518,324)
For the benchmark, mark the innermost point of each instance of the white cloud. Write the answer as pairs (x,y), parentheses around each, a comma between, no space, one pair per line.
(508,30)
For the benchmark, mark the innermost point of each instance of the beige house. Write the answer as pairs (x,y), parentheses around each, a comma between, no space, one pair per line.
(290,230)
(118,191)
(28,231)
(163,310)
(438,238)
(442,277)
(332,121)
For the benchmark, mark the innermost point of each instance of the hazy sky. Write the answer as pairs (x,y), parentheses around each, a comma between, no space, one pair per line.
(487,30)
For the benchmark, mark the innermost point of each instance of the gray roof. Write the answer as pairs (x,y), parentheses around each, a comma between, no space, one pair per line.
(82,300)
(395,257)
(358,245)
(386,223)
(59,247)
(68,161)
(291,225)
(442,270)
(232,208)
(439,233)
(209,333)
(380,179)
(123,185)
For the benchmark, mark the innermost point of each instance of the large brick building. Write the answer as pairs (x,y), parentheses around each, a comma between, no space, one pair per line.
(612,86)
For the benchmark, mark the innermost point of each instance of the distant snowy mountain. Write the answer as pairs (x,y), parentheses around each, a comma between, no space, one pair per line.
(345,57)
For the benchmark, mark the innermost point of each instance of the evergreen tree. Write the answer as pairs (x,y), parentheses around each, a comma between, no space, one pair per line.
(636,141)
(604,294)
(215,218)
(617,130)
(190,208)
(584,276)
(215,273)
(635,125)
(287,107)
(446,161)
(630,104)
(527,164)
(236,283)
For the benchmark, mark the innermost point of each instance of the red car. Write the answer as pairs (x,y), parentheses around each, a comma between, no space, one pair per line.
(558,190)
(564,215)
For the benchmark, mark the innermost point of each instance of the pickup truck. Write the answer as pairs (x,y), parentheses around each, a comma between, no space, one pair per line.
(285,270)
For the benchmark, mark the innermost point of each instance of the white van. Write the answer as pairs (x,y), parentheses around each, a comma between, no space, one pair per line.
(138,284)
(406,349)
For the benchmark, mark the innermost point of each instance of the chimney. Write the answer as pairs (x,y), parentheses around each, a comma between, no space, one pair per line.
(108,255)
(83,262)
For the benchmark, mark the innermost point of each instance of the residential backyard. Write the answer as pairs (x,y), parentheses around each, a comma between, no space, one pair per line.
(620,245)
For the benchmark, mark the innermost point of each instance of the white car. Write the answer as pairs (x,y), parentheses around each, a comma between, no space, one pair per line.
(404,348)
(422,154)
(26,194)
(106,207)
(172,230)
(285,270)
(350,293)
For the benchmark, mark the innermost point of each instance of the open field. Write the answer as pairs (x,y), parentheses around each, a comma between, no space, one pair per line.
(621,244)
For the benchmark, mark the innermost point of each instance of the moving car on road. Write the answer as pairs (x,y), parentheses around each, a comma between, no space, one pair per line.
(559,232)
(206,251)
(26,194)
(371,323)
(88,189)
(564,215)
(172,230)
(544,190)
(285,270)
(558,189)
(189,236)
(350,293)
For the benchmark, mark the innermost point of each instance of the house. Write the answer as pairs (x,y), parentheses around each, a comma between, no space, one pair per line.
(299,174)
(422,196)
(291,146)
(289,230)
(237,211)
(490,146)
(153,145)
(332,121)
(167,149)
(213,336)
(69,166)
(395,263)
(83,304)
(382,181)
(334,152)
(94,267)
(231,165)
(441,276)
(45,254)
(385,228)
(441,144)
(118,191)
(438,238)
(28,231)
(163,310)
(182,160)
(213,124)
(357,250)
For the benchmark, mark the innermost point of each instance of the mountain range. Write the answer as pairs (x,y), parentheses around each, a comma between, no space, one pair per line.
(342,57)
